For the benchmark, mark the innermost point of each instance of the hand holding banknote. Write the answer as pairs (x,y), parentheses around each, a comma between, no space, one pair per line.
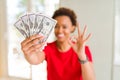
(31,25)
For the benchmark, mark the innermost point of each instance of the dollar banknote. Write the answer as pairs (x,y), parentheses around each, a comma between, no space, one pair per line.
(35,23)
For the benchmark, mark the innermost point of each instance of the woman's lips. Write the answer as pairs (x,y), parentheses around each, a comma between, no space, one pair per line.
(60,35)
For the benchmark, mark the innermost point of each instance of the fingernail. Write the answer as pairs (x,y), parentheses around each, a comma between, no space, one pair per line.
(40,34)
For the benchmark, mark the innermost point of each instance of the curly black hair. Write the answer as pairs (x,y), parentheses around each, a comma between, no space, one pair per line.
(67,12)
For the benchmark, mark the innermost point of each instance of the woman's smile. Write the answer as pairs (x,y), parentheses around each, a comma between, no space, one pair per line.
(60,35)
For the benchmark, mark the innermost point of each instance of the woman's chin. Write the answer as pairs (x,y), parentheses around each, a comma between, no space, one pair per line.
(60,40)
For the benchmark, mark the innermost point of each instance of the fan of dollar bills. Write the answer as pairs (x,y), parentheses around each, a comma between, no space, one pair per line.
(35,23)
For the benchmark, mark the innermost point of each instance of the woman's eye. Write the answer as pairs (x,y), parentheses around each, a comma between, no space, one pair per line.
(56,26)
(64,27)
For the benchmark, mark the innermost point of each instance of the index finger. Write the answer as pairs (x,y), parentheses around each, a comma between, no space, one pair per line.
(31,38)
(78,26)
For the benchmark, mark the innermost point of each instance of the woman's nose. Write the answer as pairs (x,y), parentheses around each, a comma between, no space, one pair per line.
(60,30)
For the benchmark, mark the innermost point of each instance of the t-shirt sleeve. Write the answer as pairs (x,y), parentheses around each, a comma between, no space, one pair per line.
(88,53)
(46,49)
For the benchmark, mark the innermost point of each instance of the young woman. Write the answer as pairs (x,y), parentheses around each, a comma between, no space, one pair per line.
(67,59)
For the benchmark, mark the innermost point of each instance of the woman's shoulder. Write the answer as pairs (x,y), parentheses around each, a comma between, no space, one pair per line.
(88,53)
(50,47)
(51,43)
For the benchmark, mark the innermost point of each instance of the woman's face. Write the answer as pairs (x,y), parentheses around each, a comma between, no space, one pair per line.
(63,28)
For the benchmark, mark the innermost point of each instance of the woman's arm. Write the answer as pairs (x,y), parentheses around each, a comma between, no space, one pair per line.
(88,71)
(86,66)
(79,48)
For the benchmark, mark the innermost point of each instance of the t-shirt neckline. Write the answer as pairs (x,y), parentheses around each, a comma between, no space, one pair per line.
(63,52)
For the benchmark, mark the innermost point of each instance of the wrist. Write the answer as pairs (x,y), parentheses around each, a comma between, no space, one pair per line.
(83,61)
(82,56)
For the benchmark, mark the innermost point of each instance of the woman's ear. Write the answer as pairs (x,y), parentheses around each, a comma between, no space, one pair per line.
(73,29)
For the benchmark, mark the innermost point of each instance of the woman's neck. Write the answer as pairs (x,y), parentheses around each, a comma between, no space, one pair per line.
(63,46)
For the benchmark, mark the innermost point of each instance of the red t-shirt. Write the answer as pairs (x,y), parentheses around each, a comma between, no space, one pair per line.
(63,65)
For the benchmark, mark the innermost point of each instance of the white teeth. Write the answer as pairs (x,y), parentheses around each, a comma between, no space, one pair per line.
(61,35)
